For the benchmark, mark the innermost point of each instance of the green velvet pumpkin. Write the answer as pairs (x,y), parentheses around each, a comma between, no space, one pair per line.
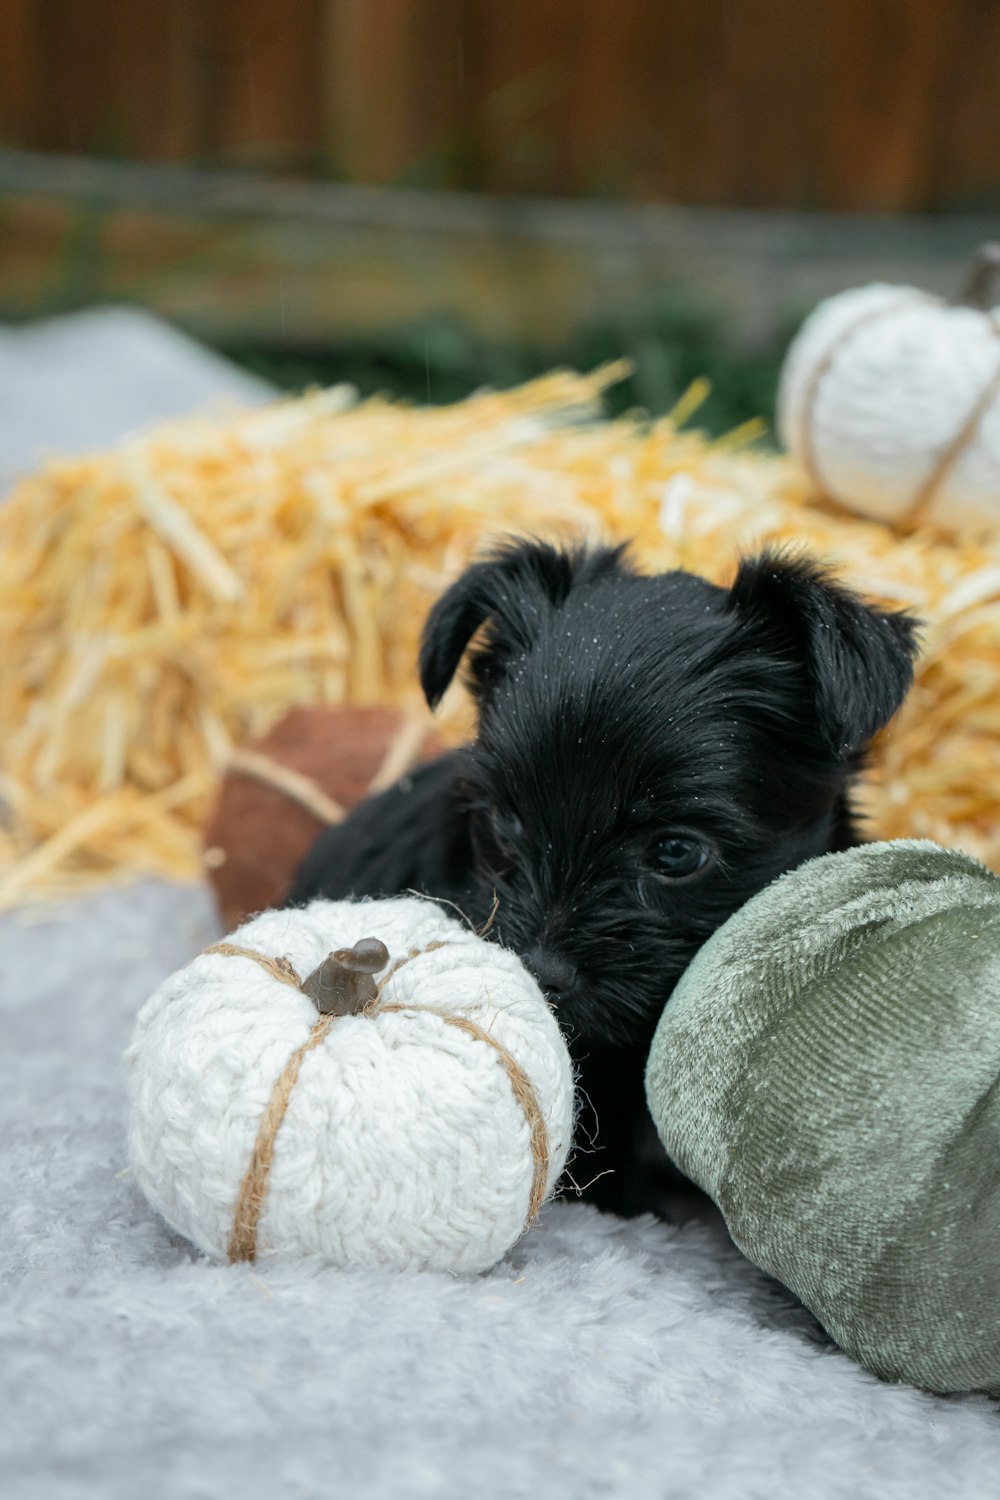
(828,1070)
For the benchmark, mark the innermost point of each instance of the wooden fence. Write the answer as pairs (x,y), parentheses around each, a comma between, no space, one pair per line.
(836,104)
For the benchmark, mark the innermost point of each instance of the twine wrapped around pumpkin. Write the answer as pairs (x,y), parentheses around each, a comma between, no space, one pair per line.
(419,1120)
(243,1239)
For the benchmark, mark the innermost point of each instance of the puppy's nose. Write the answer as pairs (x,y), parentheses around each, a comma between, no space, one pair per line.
(555,974)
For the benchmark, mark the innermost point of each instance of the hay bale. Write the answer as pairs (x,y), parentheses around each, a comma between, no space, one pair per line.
(178,595)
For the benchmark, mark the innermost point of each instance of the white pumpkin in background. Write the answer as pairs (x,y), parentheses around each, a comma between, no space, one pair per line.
(890,398)
(418,1121)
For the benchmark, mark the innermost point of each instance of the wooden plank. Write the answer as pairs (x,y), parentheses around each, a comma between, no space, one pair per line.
(105,82)
(612,144)
(366,113)
(398,102)
(685,87)
(188,83)
(525,78)
(20,69)
(305,265)
(700,101)
(264,59)
(886,76)
(856,104)
(965,168)
(774,78)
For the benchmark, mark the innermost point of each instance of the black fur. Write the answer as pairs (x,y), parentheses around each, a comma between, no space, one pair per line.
(618,714)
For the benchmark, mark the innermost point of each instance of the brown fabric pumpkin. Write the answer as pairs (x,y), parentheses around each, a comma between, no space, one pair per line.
(281,791)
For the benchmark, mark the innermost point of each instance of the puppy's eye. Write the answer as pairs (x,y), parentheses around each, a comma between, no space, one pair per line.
(495,840)
(679,856)
(508,832)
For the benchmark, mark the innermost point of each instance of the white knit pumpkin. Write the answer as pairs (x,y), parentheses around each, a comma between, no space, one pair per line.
(891,399)
(404,1142)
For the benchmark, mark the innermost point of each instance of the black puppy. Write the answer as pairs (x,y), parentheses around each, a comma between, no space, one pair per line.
(650,752)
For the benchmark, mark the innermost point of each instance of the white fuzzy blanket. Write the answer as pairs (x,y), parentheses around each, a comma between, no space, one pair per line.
(602,1358)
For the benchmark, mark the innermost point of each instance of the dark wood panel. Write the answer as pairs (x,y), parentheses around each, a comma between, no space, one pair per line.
(965,169)
(887,101)
(264,60)
(400,89)
(20,69)
(108,78)
(847,104)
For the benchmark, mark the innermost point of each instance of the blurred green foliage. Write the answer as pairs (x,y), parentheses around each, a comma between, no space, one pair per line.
(671,345)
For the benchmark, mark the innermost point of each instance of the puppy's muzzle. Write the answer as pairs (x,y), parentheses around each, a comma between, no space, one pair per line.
(556,975)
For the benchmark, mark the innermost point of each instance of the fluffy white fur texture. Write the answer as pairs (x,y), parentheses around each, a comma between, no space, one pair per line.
(403,1144)
(600,1358)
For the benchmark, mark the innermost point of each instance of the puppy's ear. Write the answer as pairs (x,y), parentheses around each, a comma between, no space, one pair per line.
(509,590)
(858,659)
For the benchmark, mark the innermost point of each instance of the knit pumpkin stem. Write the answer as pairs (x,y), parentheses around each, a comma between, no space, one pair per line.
(976,290)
